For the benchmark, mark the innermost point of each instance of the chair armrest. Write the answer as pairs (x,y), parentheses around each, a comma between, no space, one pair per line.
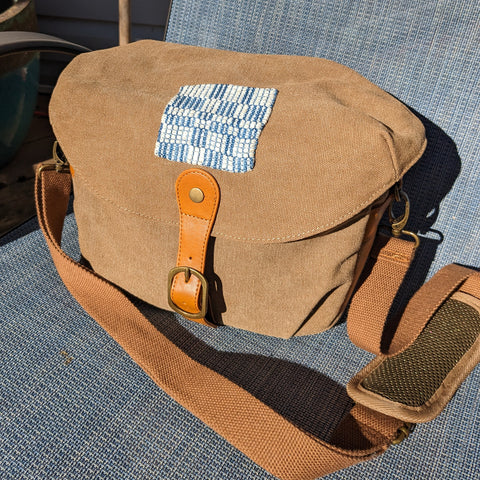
(16,41)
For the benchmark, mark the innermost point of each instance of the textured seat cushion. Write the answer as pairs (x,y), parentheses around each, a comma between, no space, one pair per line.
(74,405)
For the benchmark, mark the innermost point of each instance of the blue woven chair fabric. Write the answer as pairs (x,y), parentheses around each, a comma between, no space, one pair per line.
(426,54)
(74,405)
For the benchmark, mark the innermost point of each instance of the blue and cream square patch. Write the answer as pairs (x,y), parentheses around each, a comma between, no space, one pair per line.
(215,125)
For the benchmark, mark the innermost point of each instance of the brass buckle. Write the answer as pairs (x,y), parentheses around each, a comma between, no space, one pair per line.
(398,223)
(188,272)
(403,432)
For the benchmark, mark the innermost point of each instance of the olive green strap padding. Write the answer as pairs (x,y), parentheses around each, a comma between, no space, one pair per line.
(413,376)
(416,384)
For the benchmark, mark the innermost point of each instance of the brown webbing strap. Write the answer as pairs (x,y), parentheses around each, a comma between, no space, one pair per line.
(390,260)
(370,306)
(425,303)
(254,428)
(472,285)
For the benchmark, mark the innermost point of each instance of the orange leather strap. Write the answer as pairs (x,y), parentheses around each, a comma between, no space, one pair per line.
(198,197)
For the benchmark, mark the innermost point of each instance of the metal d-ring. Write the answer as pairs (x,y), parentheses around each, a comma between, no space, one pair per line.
(403,432)
(398,223)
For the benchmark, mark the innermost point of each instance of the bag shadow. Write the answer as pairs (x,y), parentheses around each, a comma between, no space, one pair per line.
(427,183)
(307,398)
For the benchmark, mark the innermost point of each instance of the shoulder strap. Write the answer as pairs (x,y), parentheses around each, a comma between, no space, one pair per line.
(369,308)
(269,439)
(388,263)
(254,428)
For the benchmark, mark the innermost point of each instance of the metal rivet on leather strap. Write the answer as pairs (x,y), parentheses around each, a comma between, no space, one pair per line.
(196,195)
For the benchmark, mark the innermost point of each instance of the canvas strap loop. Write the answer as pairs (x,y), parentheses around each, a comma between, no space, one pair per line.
(389,261)
(370,307)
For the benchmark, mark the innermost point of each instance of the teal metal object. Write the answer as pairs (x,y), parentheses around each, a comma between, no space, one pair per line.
(18,80)
(18,95)
(19,72)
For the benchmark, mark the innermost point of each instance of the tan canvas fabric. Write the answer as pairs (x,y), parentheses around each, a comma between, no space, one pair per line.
(334,144)
(267,288)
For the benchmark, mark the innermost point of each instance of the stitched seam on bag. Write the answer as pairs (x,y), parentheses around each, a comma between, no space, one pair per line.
(180,243)
(215,198)
(290,237)
(335,222)
(206,235)
(120,207)
(387,139)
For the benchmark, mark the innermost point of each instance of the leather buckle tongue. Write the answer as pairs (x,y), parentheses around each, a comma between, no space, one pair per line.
(198,196)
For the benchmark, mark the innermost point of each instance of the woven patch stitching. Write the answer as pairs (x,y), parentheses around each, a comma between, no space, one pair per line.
(215,125)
